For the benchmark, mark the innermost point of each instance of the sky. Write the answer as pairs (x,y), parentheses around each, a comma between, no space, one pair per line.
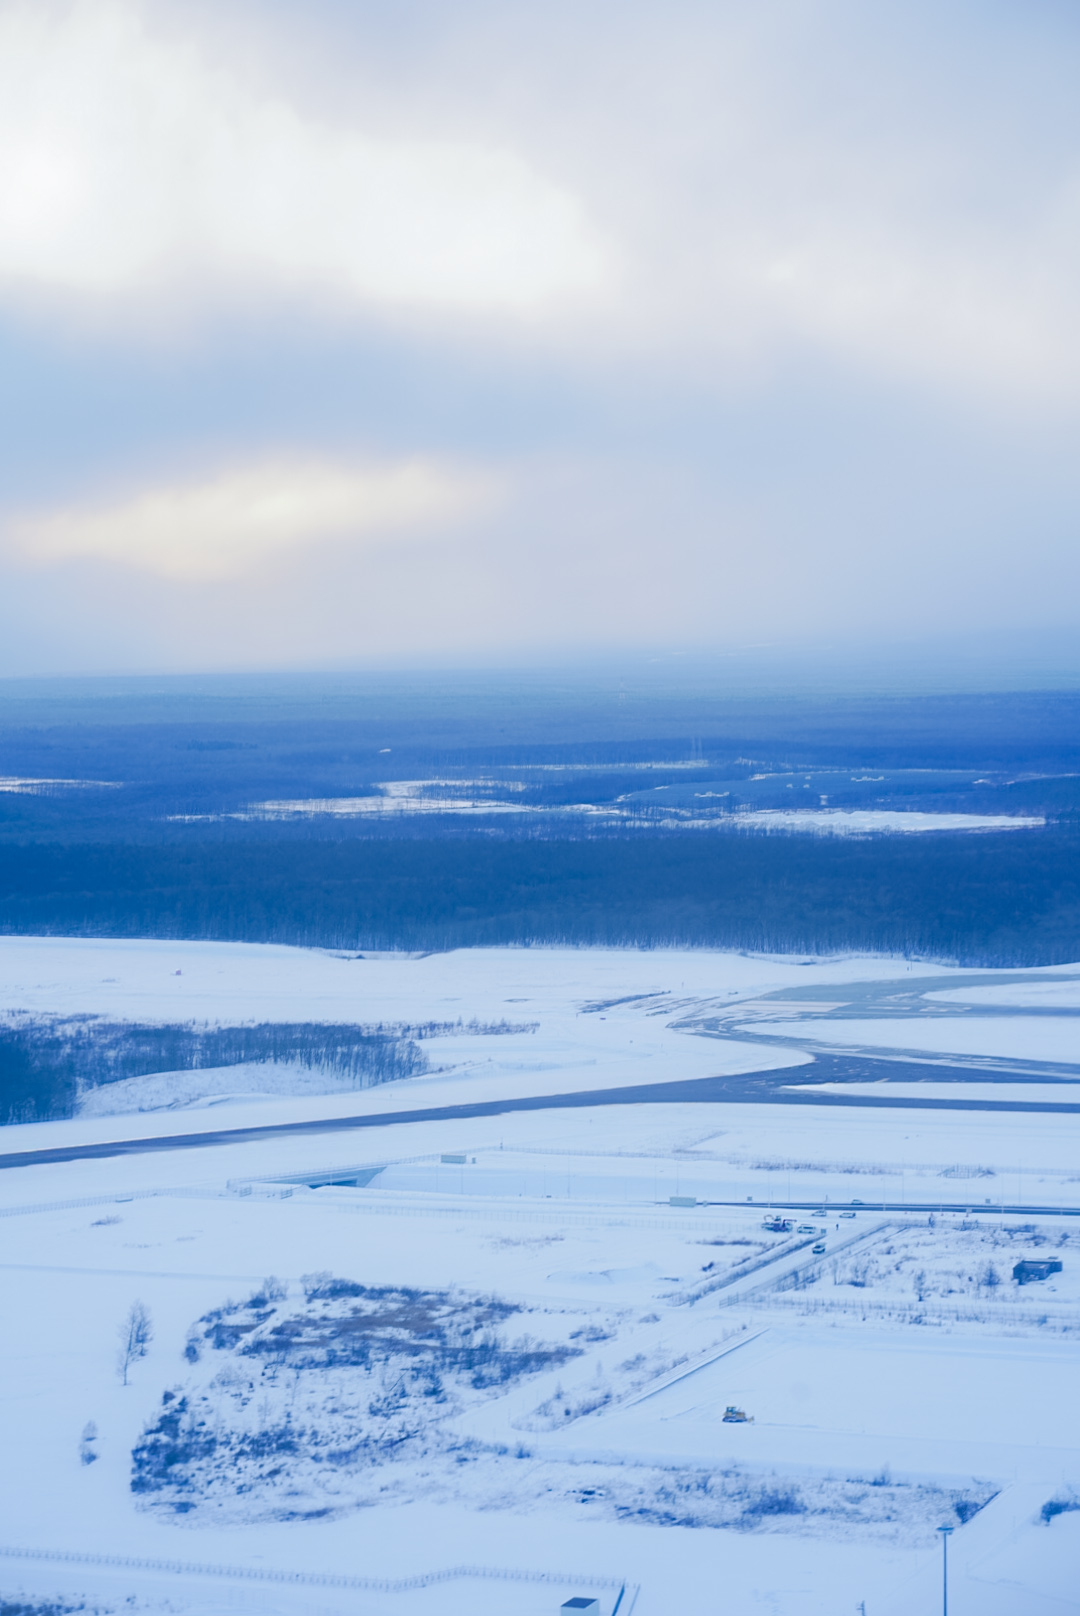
(340,334)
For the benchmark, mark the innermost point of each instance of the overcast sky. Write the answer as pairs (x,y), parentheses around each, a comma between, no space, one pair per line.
(335,332)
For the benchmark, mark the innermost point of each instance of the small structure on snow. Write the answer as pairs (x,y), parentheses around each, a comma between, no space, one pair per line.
(1035,1268)
(580,1605)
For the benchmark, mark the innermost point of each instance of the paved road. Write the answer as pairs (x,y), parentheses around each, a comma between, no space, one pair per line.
(754,1088)
(833,1209)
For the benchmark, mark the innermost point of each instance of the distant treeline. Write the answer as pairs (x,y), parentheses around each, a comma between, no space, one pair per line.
(47,1062)
(1008,898)
(178,764)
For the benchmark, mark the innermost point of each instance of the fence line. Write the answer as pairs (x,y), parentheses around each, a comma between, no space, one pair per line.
(272,1190)
(117,1196)
(907,1312)
(498,1212)
(316,1579)
(955,1172)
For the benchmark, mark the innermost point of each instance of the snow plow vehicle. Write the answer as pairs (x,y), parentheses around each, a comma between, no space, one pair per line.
(737,1416)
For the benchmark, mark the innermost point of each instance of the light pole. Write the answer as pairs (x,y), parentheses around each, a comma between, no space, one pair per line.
(946,1533)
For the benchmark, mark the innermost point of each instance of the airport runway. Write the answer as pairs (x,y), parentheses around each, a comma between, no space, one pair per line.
(745,1088)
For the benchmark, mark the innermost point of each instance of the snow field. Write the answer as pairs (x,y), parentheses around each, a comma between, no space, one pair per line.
(1059,1092)
(1038,993)
(167,981)
(870,821)
(114,1262)
(1024,1038)
(877,1412)
(720,1176)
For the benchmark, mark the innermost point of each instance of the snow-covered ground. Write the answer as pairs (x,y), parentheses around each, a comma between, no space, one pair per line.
(1023,1038)
(394,799)
(513,1364)
(176,980)
(870,821)
(1036,994)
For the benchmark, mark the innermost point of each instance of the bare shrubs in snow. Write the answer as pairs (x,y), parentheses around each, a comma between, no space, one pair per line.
(938,1273)
(87,1450)
(734,1499)
(270,1291)
(782,1500)
(989,1278)
(562,1406)
(351,1396)
(136,1334)
(1063,1504)
(47,1607)
(300,1406)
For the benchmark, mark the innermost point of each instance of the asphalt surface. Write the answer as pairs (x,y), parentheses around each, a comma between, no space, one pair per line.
(834,1209)
(744,1088)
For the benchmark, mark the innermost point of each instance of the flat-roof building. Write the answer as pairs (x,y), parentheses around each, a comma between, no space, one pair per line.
(1035,1268)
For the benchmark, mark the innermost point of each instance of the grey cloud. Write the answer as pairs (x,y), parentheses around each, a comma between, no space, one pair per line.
(827,385)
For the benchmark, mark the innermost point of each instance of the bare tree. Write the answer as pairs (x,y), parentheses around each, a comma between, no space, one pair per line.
(136,1334)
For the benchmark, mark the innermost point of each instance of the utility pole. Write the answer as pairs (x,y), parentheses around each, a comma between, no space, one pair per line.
(946,1533)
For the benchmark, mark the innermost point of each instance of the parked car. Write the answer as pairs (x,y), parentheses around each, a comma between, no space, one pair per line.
(819,1249)
(847,1214)
(806,1228)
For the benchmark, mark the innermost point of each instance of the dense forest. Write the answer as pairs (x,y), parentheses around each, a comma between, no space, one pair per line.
(989,899)
(47,1062)
(133,809)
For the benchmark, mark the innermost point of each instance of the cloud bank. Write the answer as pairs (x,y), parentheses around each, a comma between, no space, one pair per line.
(516,329)
(128,163)
(231,525)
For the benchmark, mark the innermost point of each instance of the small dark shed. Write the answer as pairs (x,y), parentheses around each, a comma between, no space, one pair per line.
(1035,1268)
(582,1607)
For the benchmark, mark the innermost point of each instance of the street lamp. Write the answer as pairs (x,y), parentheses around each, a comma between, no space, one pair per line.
(946,1533)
